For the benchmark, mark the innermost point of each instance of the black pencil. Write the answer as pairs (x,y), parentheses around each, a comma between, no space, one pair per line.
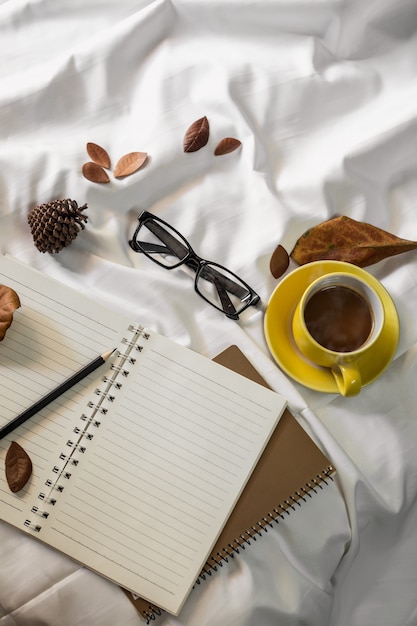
(54,394)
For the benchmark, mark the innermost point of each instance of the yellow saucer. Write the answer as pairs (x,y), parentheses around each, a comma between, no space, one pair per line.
(278,328)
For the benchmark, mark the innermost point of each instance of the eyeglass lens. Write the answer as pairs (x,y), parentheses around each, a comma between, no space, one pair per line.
(222,288)
(163,244)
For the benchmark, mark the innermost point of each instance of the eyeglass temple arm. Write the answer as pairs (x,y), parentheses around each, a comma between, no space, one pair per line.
(151,247)
(227,304)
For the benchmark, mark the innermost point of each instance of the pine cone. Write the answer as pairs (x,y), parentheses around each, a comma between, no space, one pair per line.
(56,224)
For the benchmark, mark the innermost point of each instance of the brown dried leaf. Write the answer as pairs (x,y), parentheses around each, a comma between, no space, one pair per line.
(226,145)
(98,155)
(129,163)
(344,239)
(9,302)
(95,173)
(197,135)
(279,261)
(18,467)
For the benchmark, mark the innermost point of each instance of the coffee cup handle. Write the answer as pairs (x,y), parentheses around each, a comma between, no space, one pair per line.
(348,378)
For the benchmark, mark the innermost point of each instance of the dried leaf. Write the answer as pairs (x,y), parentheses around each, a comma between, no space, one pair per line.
(98,155)
(129,163)
(95,173)
(18,467)
(9,302)
(345,239)
(279,261)
(226,145)
(197,135)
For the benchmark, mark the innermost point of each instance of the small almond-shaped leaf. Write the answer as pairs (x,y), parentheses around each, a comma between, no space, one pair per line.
(344,239)
(95,173)
(226,145)
(98,154)
(18,467)
(197,135)
(279,261)
(129,163)
(9,302)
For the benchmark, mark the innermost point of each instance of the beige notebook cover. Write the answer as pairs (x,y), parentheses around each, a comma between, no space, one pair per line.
(291,468)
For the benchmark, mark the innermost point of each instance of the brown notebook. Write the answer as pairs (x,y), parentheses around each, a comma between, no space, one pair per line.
(291,469)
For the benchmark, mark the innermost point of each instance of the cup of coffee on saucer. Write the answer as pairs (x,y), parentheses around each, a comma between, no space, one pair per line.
(337,321)
(352,361)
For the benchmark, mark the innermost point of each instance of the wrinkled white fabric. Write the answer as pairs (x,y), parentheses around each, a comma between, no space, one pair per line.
(323,96)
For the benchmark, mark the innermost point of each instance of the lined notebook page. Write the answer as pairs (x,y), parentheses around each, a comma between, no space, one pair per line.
(164,471)
(53,334)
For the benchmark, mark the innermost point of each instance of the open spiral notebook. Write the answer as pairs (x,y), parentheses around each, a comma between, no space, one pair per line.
(137,469)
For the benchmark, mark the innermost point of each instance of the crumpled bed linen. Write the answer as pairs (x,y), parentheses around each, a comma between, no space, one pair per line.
(322,96)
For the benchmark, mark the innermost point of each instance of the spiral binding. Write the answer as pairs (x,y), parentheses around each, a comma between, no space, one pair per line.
(90,421)
(271,519)
(150,613)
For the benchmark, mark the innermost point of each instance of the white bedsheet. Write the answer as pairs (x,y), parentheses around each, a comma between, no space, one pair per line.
(323,96)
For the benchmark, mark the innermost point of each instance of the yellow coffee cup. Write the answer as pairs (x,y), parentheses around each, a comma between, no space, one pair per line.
(336,322)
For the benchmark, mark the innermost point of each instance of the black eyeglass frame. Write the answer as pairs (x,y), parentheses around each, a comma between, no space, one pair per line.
(202,267)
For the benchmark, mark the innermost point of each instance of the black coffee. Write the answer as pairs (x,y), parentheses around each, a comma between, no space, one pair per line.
(338,318)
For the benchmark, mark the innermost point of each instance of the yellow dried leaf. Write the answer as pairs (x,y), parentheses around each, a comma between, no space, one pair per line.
(129,163)
(344,239)
(9,302)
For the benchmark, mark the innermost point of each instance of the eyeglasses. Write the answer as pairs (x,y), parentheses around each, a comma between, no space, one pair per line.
(164,245)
